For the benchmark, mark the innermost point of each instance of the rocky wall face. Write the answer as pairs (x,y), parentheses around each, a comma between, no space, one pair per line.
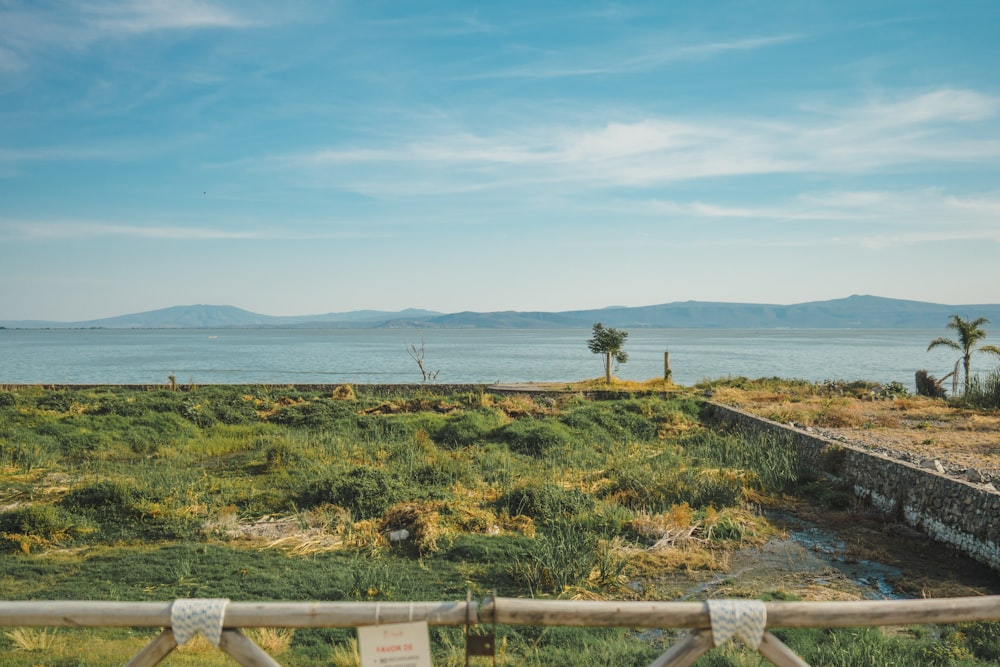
(949,510)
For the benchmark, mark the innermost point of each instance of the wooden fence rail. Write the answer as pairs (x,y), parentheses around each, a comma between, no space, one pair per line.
(693,616)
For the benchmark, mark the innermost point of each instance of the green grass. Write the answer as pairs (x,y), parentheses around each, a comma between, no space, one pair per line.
(118,494)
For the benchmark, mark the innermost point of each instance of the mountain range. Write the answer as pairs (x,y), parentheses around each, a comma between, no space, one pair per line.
(853,312)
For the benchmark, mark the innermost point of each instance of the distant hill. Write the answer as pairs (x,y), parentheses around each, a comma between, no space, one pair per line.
(854,312)
(215,317)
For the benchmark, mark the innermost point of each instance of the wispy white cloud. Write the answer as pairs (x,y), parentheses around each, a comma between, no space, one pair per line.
(141,16)
(25,31)
(46,230)
(707,50)
(930,128)
(80,230)
(870,219)
(611,60)
(946,105)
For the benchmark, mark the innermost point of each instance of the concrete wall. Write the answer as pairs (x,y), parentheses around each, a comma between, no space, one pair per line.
(949,510)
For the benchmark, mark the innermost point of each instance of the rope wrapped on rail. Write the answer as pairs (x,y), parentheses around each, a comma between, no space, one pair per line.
(189,616)
(743,619)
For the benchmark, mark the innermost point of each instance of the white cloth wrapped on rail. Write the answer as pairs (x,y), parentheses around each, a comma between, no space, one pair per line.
(745,619)
(189,616)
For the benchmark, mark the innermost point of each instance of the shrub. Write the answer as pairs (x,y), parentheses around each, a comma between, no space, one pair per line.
(633,484)
(56,401)
(559,559)
(397,428)
(928,385)
(104,498)
(314,415)
(28,525)
(197,413)
(535,437)
(367,492)
(441,471)
(72,437)
(137,404)
(235,410)
(470,427)
(123,510)
(619,420)
(983,393)
(545,502)
(148,433)
(984,640)
(282,456)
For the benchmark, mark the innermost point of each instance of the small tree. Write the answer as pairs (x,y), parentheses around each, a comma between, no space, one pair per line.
(970,332)
(608,341)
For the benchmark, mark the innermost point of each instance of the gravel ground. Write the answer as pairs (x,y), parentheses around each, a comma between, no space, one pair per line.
(927,432)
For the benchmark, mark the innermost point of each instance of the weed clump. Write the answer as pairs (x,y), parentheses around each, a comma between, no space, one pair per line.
(983,393)
(536,437)
(366,492)
(545,502)
(30,526)
(467,428)
(321,414)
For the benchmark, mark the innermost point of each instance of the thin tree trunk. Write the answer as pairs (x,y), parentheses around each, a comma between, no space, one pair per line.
(607,368)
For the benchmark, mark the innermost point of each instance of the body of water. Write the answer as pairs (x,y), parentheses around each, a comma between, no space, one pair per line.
(286,356)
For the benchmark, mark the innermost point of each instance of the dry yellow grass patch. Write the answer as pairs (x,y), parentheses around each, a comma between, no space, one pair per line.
(40,640)
(422,520)
(346,655)
(921,426)
(272,640)
(521,405)
(344,392)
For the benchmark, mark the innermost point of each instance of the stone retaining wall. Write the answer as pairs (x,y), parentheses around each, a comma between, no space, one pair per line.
(949,510)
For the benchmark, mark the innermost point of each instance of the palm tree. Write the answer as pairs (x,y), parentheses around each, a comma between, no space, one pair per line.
(969,333)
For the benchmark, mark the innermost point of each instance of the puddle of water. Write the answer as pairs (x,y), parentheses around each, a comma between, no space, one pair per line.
(876,577)
(821,562)
(808,558)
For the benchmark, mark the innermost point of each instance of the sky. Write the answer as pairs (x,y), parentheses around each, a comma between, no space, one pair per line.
(311,157)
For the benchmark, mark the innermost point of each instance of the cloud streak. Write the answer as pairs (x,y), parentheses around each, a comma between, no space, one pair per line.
(577,64)
(869,219)
(27,230)
(153,15)
(76,26)
(931,127)
(81,230)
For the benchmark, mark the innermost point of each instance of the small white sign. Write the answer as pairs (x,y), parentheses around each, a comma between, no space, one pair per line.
(395,645)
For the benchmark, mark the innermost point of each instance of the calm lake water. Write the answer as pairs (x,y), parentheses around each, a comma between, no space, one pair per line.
(286,356)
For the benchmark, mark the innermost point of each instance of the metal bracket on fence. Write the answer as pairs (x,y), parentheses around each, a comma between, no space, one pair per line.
(481,644)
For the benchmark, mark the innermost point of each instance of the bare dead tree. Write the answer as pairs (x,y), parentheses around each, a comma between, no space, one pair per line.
(417,353)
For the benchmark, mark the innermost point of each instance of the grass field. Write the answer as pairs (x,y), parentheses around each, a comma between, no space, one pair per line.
(274,493)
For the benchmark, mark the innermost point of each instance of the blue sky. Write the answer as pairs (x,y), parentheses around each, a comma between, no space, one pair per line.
(312,157)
